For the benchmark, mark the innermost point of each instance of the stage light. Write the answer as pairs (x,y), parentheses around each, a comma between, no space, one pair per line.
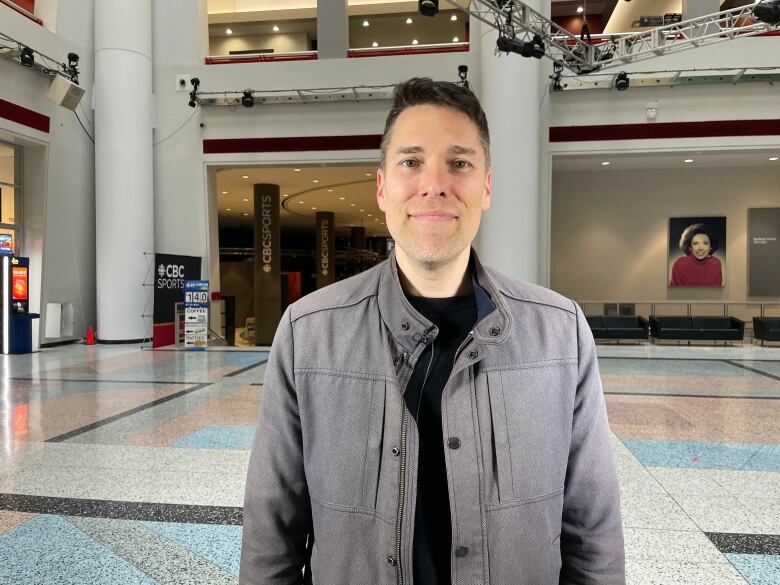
(463,71)
(768,11)
(27,57)
(248,100)
(556,77)
(194,93)
(621,81)
(533,48)
(428,7)
(73,67)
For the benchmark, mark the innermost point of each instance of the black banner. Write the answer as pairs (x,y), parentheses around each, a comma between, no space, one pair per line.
(170,272)
(764,251)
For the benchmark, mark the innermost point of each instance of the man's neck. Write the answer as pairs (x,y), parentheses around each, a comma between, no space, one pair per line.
(450,280)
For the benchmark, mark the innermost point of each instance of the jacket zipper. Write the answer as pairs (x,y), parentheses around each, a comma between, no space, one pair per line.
(402,495)
(460,347)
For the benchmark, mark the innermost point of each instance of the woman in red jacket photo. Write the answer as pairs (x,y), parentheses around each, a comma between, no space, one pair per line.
(698,266)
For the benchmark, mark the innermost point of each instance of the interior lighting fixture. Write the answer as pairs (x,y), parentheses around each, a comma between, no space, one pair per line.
(463,72)
(414,42)
(606,163)
(330,190)
(428,7)
(224,192)
(194,93)
(409,21)
(228,209)
(768,11)
(772,158)
(580,9)
(276,28)
(366,23)
(688,160)
(454,17)
(301,202)
(621,81)
(343,198)
(246,200)
(27,57)
(556,77)
(73,67)
(362,210)
(455,40)
(245,214)
(229,31)
(297,170)
(369,174)
(315,180)
(244,176)
(248,100)
(314,208)
(352,205)
(374,44)
(369,215)
(534,48)
(285,194)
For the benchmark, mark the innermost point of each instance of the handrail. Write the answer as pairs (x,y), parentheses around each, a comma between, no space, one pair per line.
(261,58)
(688,303)
(22,11)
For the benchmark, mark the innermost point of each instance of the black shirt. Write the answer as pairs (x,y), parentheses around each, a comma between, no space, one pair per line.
(455,317)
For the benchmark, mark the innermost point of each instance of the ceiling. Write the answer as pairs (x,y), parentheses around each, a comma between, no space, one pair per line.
(667,160)
(355,184)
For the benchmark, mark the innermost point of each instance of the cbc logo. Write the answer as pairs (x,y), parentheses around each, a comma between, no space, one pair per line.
(170,276)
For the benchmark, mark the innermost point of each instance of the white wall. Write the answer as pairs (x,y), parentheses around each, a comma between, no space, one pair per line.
(610,229)
(279,43)
(59,217)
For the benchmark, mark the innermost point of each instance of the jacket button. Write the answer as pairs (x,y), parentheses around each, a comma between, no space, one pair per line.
(391,561)
(494,331)
(405,325)
(453,443)
(395,451)
(473,354)
(396,361)
(461,551)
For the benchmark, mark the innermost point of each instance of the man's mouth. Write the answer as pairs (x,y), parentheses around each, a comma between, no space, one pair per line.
(433,215)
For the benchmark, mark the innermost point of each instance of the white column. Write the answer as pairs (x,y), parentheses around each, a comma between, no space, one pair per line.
(511,95)
(123,166)
(332,29)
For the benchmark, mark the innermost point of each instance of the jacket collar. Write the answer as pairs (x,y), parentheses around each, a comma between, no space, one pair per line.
(409,328)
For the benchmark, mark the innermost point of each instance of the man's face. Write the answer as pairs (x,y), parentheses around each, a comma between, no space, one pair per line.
(435,184)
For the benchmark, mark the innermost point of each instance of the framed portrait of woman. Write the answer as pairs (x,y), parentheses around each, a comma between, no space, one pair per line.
(697,251)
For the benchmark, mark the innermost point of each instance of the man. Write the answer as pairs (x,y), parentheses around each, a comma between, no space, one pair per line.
(431,421)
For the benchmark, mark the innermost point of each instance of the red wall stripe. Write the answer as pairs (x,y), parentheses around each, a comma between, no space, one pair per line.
(292,144)
(24,116)
(23,7)
(713,129)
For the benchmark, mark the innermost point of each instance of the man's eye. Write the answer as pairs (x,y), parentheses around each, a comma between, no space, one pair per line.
(461,164)
(409,163)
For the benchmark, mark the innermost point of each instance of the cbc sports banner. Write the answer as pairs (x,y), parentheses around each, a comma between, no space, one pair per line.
(764,251)
(170,272)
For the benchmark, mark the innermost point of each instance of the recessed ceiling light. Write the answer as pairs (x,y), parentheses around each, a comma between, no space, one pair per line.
(330,190)
(365,23)
(244,214)
(606,163)
(342,198)
(455,40)
(245,199)
(374,44)
(315,180)
(369,215)
(314,208)
(228,31)
(454,17)
(297,170)
(414,42)
(244,176)
(369,174)
(224,192)
(352,205)
(301,202)
(382,223)
(688,160)
(772,158)
(285,194)
(228,209)
(276,28)
(361,211)
(409,20)
(580,9)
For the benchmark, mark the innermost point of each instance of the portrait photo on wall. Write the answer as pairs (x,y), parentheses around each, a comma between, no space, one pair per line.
(697,251)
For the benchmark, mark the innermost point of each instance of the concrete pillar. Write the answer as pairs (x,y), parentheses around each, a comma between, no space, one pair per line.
(357,237)
(511,95)
(325,248)
(268,258)
(124,198)
(332,29)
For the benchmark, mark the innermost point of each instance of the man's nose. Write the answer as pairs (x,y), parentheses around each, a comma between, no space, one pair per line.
(434,182)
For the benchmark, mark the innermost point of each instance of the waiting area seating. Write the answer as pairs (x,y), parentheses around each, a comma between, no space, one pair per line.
(766,329)
(618,328)
(697,328)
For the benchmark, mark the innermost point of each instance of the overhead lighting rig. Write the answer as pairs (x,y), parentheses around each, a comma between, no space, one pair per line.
(14,50)
(529,33)
(428,7)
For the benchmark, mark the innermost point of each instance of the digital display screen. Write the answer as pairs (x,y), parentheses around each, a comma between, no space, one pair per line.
(19,283)
(6,244)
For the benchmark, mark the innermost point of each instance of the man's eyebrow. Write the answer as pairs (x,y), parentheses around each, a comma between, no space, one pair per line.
(410,149)
(461,150)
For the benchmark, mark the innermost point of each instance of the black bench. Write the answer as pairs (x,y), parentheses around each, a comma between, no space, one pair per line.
(766,328)
(697,328)
(633,328)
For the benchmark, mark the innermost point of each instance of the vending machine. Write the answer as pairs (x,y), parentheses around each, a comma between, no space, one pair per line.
(15,314)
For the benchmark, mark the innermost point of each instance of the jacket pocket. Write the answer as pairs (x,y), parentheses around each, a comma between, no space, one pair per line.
(342,426)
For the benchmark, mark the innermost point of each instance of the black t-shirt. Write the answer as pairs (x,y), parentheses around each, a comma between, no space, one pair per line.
(455,317)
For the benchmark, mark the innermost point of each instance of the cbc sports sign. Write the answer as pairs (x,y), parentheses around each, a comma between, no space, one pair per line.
(170,272)
(170,276)
(266,233)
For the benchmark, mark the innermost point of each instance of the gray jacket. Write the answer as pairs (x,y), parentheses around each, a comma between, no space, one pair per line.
(534,494)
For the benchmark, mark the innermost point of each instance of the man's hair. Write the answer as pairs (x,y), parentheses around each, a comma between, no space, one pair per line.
(693,230)
(420,91)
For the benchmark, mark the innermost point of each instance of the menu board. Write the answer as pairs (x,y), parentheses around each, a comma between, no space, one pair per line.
(196,314)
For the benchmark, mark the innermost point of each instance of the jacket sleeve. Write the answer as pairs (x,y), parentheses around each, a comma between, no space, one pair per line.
(277,510)
(591,530)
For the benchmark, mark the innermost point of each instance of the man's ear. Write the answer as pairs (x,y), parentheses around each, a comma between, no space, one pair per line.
(487,195)
(380,189)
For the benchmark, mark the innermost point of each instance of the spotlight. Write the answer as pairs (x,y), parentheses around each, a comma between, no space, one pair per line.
(556,77)
(768,11)
(533,48)
(248,100)
(428,7)
(463,71)
(72,69)
(621,81)
(194,93)
(27,57)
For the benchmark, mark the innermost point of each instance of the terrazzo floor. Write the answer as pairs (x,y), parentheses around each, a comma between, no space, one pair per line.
(122,466)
